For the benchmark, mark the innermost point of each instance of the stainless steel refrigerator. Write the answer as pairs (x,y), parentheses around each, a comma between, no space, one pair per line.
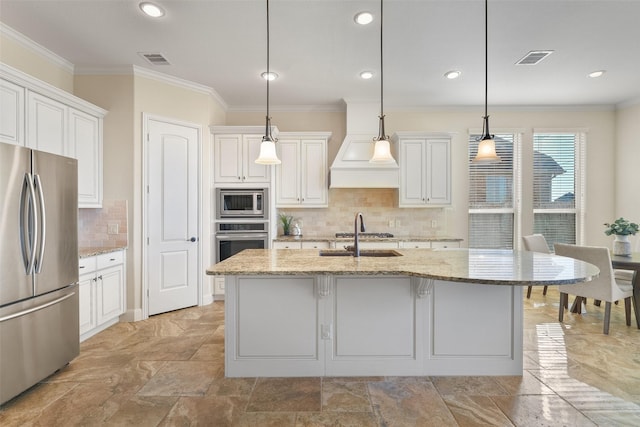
(39,330)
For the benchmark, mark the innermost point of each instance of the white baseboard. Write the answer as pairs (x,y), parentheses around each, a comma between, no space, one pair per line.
(207,299)
(132,315)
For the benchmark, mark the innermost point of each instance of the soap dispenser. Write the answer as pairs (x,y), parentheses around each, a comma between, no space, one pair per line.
(296,230)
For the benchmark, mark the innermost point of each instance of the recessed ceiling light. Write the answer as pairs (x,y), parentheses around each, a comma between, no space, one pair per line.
(151,9)
(595,74)
(269,76)
(366,75)
(363,18)
(453,74)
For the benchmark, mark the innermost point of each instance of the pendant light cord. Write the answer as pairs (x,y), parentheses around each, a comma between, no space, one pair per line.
(267,131)
(486,56)
(381,132)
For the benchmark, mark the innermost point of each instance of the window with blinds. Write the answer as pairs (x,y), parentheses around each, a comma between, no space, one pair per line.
(556,186)
(491,196)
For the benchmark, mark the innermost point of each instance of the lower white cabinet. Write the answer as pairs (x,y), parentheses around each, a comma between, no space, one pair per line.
(426,244)
(306,244)
(102,292)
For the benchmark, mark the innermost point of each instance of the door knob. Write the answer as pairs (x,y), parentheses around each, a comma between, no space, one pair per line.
(193,239)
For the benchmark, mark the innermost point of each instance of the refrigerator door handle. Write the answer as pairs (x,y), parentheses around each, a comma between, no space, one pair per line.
(28,223)
(43,224)
(40,307)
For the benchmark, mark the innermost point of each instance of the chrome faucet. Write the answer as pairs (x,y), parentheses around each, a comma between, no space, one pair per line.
(356,248)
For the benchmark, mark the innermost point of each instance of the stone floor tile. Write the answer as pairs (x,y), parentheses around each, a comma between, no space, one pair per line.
(541,411)
(180,378)
(286,394)
(345,397)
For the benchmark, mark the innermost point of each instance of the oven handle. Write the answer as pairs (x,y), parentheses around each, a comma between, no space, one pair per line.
(241,236)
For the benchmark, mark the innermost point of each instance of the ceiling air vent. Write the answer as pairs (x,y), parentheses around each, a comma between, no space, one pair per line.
(534,57)
(154,58)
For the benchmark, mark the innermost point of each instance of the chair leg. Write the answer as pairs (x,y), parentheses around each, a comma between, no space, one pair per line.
(544,290)
(563,302)
(627,310)
(607,317)
(596,302)
(529,291)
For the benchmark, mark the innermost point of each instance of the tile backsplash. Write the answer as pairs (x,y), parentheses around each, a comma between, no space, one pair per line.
(106,227)
(380,210)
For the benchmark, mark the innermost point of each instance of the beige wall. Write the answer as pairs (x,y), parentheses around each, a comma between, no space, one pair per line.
(18,56)
(599,124)
(627,162)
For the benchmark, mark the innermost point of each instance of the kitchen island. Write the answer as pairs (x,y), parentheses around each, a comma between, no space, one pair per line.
(424,312)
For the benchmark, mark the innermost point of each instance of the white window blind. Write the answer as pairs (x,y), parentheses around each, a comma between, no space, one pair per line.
(557,186)
(491,196)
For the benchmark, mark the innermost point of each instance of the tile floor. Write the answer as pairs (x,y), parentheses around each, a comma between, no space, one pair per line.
(169,371)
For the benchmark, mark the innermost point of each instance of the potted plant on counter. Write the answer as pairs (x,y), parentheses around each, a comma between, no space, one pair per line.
(285,221)
(621,229)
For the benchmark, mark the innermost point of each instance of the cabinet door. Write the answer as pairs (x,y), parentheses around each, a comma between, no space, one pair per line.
(286,245)
(110,291)
(313,178)
(228,158)
(11,113)
(315,245)
(251,171)
(46,125)
(416,245)
(412,173)
(85,143)
(287,173)
(438,172)
(378,245)
(86,292)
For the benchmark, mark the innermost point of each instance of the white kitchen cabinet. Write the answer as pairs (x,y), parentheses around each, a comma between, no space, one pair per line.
(425,169)
(102,292)
(11,113)
(376,245)
(39,116)
(302,178)
(47,124)
(416,245)
(444,244)
(235,156)
(85,144)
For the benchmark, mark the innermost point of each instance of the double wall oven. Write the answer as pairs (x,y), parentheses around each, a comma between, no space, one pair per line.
(242,221)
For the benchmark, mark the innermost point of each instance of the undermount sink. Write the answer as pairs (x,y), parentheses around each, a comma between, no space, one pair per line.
(363,252)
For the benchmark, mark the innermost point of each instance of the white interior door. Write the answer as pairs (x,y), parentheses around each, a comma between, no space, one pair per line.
(172,216)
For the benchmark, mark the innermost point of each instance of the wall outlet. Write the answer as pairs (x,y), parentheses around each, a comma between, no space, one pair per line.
(112,228)
(434,223)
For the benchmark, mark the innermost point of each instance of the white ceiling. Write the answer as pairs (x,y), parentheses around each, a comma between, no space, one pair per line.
(319,51)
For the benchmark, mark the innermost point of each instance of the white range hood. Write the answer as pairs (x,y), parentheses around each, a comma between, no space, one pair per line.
(351,167)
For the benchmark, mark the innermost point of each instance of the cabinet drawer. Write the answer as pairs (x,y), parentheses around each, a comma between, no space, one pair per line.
(87,265)
(110,259)
(417,245)
(315,245)
(445,244)
(286,245)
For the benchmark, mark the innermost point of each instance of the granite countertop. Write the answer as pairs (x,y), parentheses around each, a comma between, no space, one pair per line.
(367,239)
(98,250)
(482,266)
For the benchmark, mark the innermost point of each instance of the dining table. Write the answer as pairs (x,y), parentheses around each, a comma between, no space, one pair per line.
(631,262)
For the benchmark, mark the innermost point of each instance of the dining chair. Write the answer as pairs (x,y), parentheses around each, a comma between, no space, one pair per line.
(605,287)
(535,243)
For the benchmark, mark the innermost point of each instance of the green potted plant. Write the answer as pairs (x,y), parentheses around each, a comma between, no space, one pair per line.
(285,221)
(621,229)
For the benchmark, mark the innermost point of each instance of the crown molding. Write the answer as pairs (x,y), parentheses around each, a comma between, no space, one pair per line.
(26,42)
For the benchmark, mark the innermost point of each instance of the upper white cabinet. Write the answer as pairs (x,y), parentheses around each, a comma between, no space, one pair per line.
(425,169)
(302,177)
(11,113)
(39,116)
(235,150)
(85,144)
(47,123)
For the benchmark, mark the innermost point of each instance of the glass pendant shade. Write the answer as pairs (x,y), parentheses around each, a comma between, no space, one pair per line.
(486,151)
(382,152)
(268,154)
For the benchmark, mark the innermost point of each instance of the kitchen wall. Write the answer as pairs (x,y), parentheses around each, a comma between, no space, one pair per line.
(598,122)
(627,163)
(380,211)
(106,227)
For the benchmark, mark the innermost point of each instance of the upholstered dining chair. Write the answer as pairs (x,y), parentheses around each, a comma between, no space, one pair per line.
(605,287)
(535,243)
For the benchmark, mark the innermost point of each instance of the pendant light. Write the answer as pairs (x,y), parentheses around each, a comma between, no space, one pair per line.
(381,148)
(268,154)
(486,144)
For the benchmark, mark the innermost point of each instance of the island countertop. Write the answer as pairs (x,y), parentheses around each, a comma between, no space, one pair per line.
(481,266)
